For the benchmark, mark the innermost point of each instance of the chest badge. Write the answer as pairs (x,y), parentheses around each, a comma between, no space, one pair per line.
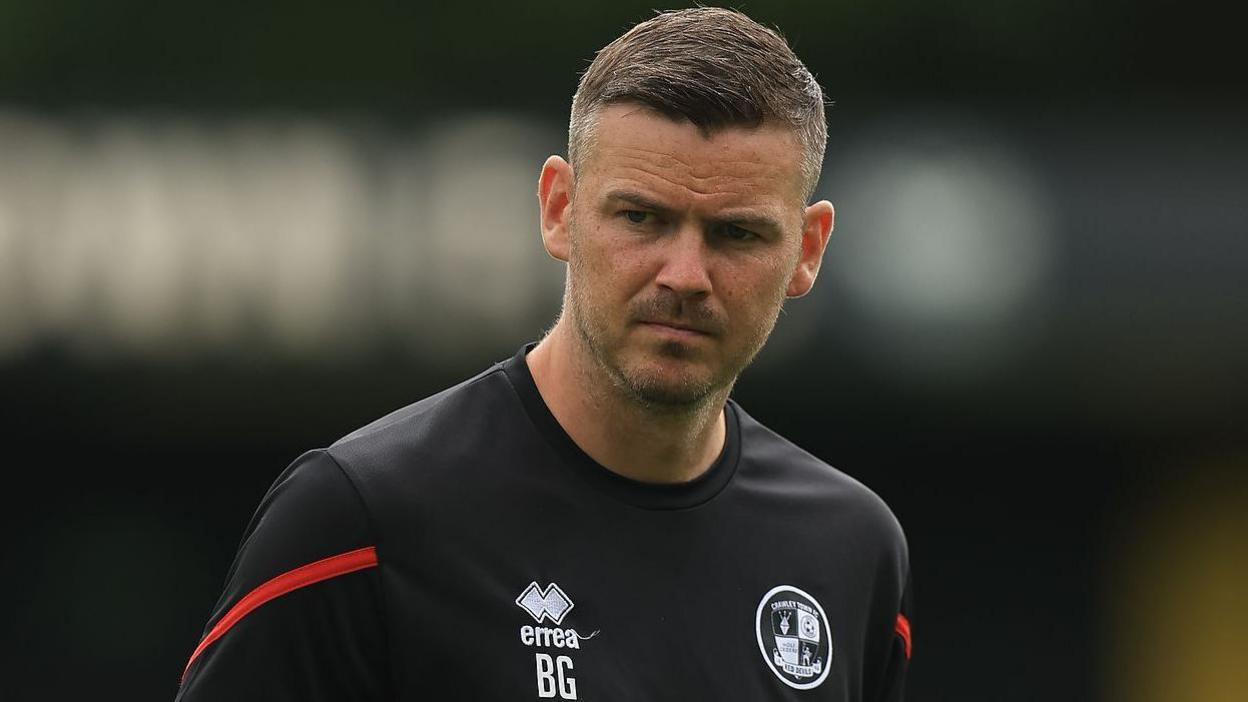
(794,637)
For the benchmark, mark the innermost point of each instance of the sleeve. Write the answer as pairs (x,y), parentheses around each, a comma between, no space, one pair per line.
(300,618)
(898,661)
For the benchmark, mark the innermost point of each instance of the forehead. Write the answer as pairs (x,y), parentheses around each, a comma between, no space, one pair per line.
(734,166)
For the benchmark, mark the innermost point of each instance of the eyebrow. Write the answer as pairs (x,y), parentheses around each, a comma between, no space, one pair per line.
(746,219)
(635,198)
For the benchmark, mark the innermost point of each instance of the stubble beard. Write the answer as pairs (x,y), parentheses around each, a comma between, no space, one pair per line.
(643,386)
(647,387)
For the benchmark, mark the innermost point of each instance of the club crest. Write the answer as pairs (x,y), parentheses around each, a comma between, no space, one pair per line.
(793,637)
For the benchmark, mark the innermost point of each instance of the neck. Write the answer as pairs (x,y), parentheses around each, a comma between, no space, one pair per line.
(623,434)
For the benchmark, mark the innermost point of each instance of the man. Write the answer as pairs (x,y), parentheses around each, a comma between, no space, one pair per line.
(594,518)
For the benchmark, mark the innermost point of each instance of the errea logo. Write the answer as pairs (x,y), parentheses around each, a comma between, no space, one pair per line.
(550,603)
(553,671)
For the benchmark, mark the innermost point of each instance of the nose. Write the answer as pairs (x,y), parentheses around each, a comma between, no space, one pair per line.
(685,264)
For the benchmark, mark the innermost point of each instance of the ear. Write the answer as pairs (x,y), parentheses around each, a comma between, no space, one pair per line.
(554,197)
(817,223)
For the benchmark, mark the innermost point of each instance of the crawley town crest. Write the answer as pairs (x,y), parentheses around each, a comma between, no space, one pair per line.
(793,636)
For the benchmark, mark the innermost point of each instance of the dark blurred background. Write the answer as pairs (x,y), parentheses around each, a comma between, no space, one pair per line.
(232,232)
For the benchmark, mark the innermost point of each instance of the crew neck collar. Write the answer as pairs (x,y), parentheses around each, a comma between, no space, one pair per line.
(659,496)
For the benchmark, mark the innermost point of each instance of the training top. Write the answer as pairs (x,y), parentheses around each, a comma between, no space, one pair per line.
(465,548)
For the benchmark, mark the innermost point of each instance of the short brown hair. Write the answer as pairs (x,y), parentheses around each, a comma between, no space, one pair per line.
(714,67)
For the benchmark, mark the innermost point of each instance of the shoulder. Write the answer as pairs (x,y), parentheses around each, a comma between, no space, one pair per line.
(445,406)
(418,448)
(435,422)
(781,467)
(302,590)
(311,512)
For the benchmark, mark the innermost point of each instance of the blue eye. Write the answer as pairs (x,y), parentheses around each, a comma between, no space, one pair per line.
(636,216)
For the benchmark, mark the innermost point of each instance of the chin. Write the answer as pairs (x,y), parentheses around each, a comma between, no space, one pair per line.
(664,386)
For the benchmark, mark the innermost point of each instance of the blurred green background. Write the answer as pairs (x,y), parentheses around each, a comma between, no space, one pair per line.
(230,233)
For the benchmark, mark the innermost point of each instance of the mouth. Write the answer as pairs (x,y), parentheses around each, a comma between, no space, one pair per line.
(676,329)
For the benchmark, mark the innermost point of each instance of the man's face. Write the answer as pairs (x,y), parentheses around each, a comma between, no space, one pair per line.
(682,249)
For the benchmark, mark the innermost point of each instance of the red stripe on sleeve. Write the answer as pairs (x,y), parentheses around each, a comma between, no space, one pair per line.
(302,576)
(903,630)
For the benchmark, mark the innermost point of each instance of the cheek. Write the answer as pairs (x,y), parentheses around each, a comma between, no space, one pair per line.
(610,266)
(756,287)
(599,272)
